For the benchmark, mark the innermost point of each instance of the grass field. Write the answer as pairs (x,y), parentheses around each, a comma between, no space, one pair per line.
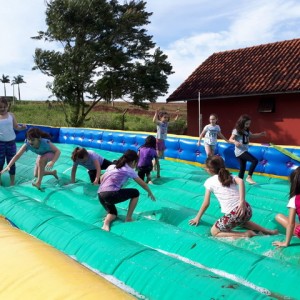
(114,116)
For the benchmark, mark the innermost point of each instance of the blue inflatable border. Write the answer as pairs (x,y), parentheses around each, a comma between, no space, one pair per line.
(182,148)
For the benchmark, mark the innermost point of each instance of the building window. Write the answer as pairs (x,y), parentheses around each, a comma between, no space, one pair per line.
(266,105)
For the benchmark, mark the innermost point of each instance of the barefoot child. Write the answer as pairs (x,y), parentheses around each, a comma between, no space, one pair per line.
(146,154)
(162,120)
(90,160)
(37,141)
(230,192)
(211,132)
(240,138)
(8,148)
(292,228)
(111,192)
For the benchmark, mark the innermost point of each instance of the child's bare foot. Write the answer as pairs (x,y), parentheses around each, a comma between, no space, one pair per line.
(55,174)
(107,221)
(38,186)
(250,233)
(270,232)
(150,182)
(105,227)
(128,220)
(250,180)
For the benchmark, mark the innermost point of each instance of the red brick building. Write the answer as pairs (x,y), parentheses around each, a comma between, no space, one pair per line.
(262,81)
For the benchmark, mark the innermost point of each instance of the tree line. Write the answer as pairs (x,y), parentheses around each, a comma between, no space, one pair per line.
(17,80)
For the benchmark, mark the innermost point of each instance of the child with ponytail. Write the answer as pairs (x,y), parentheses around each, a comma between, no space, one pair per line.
(230,192)
(111,192)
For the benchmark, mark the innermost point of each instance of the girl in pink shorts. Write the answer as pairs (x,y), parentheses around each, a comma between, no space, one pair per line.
(162,120)
(230,192)
(294,209)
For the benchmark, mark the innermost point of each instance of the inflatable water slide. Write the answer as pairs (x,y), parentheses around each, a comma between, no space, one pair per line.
(52,245)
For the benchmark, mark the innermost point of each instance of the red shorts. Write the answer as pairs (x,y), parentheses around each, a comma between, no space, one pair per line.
(297,231)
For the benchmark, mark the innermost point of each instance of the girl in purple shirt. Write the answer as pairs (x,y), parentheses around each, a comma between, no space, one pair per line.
(147,153)
(91,161)
(111,192)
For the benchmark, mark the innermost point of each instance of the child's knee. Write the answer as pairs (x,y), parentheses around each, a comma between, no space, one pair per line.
(214,230)
(279,217)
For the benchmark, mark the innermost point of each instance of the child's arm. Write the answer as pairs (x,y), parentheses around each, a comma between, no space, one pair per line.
(15,158)
(73,173)
(145,187)
(16,125)
(202,209)
(258,135)
(98,171)
(56,156)
(234,141)
(102,177)
(201,136)
(242,205)
(223,137)
(155,118)
(289,229)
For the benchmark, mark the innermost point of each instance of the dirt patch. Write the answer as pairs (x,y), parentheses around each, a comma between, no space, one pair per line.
(120,107)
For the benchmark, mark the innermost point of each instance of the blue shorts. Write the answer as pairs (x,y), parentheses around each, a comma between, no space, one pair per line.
(7,151)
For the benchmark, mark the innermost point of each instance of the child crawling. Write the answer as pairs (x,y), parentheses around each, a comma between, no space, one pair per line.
(230,192)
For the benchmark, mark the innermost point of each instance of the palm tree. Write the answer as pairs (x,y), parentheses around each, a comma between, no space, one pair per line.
(5,79)
(13,85)
(18,80)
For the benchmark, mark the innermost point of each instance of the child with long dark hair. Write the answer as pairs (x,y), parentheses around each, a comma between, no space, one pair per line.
(230,192)
(240,137)
(146,154)
(90,160)
(292,227)
(38,142)
(111,192)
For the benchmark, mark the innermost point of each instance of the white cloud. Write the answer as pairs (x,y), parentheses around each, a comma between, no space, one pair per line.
(256,23)
(187,31)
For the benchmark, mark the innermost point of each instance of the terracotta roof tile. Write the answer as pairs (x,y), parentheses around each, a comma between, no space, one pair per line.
(263,69)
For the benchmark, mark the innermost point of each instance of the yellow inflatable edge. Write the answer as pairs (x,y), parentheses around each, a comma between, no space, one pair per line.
(31,269)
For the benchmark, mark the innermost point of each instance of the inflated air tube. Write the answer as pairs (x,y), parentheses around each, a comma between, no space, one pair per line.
(180,148)
(145,270)
(160,249)
(31,269)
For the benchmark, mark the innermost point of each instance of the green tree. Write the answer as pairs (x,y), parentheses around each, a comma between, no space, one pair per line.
(18,80)
(105,54)
(4,80)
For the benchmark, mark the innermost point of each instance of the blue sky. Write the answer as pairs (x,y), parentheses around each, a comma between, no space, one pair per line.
(187,31)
